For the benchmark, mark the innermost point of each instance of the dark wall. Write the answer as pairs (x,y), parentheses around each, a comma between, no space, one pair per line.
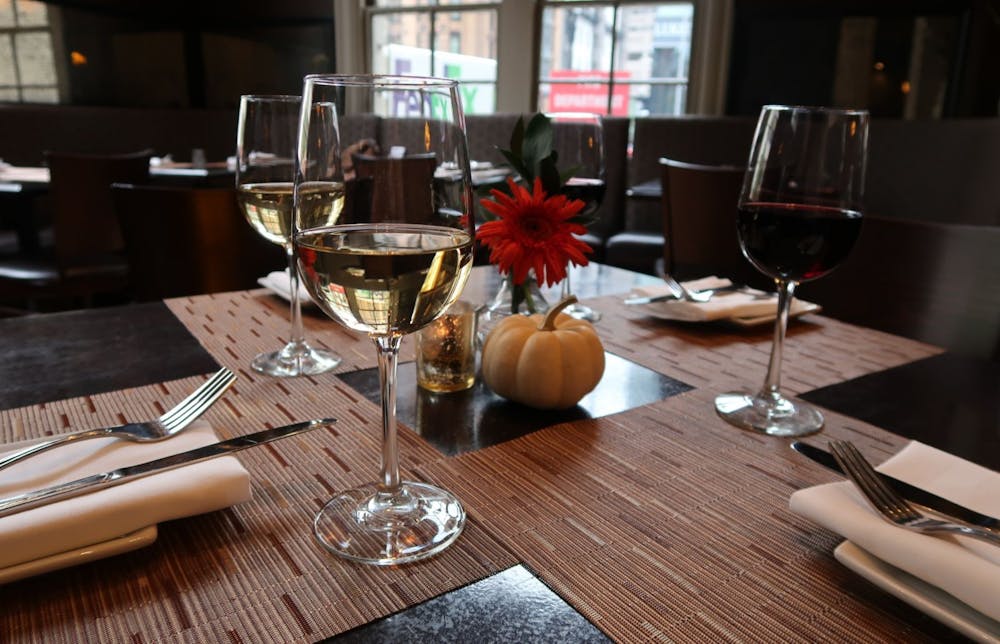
(897,58)
(192,55)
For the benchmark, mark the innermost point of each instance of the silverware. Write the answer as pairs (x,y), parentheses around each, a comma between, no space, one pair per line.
(709,292)
(682,293)
(88,484)
(913,493)
(164,427)
(892,507)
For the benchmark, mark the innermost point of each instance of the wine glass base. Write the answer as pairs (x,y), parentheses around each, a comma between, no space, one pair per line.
(769,414)
(582,312)
(302,361)
(373,527)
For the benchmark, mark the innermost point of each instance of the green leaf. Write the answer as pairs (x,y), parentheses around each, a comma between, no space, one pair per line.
(517,137)
(518,165)
(537,142)
(549,174)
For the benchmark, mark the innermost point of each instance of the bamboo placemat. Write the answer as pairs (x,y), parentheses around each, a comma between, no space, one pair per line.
(660,523)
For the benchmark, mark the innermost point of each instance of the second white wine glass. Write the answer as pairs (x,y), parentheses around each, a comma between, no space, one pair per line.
(395,254)
(266,139)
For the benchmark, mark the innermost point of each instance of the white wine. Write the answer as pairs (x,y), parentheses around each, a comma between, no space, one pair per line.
(269,206)
(384,279)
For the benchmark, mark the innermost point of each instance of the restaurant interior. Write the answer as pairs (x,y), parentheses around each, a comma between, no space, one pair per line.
(635,513)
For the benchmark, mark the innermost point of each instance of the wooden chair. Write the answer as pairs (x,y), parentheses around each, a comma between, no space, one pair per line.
(86,257)
(699,222)
(935,282)
(187,241)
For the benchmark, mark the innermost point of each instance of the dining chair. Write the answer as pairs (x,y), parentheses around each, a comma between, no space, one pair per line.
(188,241)
(698,210)
(86,257)
(934,282)
(393,185)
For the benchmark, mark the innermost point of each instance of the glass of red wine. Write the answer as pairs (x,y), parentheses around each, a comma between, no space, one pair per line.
(578,140)
(799,214)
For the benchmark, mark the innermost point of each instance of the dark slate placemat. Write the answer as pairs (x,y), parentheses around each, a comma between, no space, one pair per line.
(79,353)
(468,420)
(949,401)
(510,606)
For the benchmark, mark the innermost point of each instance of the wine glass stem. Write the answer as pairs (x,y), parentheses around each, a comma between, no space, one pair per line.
(388,354)
(297,337)
(772,384)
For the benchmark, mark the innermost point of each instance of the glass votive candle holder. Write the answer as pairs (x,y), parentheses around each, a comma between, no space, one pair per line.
(446,350)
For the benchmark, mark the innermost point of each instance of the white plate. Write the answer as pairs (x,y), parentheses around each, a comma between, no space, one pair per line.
(132,541)
(919,594)
(801,309)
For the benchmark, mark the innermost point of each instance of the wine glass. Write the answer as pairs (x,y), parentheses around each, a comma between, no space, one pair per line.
(395,254)
(578,139)
(265,145)
(799,214)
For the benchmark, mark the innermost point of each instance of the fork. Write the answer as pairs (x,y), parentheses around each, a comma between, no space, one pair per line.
(167,425)
(890,505)
(681,292)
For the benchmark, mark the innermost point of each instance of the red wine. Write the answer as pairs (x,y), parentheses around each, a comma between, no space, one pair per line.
(796,242)
(590,191)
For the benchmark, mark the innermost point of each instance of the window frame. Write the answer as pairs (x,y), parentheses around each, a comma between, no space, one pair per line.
(12,31)
(518,55)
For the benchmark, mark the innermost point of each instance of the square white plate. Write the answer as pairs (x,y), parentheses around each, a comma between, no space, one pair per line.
(917,593)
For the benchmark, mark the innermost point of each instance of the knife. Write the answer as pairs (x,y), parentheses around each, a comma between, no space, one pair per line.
(70,489)
(910,492)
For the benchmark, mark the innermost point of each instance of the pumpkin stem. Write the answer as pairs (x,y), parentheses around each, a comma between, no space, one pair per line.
(549,323)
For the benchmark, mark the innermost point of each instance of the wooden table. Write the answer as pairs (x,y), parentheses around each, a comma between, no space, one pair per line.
(660,522)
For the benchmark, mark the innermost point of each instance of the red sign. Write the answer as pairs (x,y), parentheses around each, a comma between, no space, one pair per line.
(587,97)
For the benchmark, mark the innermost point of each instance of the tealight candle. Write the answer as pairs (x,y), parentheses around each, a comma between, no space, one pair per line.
(446,350)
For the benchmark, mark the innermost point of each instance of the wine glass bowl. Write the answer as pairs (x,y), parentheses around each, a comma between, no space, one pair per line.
(578,140)
(265,142)
(388,254)
(799,214)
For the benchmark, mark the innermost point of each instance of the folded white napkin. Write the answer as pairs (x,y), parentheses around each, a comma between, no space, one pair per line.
(278,283)
(966,569)
(107,514)
(745,303)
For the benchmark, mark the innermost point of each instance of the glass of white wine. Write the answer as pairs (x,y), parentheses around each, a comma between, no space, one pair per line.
(397,254)
(266,136)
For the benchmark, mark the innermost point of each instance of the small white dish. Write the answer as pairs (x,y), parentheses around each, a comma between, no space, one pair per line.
(125,543)
(917,593)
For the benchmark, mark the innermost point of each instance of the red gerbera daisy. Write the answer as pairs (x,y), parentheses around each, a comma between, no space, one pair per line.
(533,230)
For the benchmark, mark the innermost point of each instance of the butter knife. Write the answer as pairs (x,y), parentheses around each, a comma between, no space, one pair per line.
(88,484)
(912,493)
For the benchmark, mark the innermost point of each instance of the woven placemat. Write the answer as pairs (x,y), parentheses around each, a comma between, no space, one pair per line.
(661,522)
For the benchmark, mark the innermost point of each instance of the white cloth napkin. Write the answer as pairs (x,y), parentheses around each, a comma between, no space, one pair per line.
(745,303)
(278,283)
(966,569)
(107,514)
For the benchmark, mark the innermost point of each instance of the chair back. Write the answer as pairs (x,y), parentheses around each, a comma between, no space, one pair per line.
(187,241)
(699,221)
(84,226)
(934,282)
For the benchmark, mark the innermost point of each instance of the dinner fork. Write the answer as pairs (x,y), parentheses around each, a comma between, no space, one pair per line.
(167,425)
(890,505)
(681,292)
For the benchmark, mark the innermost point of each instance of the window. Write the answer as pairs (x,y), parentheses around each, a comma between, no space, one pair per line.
(27,64)
(620,58)
(439,38)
